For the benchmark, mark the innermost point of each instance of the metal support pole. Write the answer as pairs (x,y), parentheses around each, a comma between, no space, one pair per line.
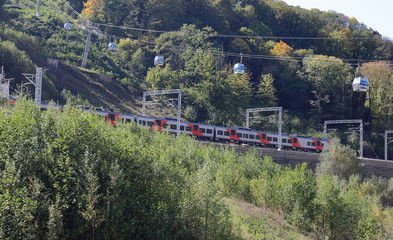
(36,80)
(38,86)
(38,8)
(387,142)
(86,48)
(279,128)
(2,85)
(178,114)
(386,145)
(144,104)
(361,140)
(325,130)
(247,119)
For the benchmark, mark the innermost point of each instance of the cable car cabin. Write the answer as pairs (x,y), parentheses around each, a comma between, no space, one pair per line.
(360,84)
(112,46)
(159,60)
(238,68)
(67,26)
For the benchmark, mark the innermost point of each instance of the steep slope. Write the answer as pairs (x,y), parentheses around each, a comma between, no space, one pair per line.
(99,89)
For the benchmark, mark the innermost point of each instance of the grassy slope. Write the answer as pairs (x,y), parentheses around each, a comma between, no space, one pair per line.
(99,89)
(251,222)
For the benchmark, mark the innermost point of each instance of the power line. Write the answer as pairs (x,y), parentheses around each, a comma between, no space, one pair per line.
(264,57)
(231,36)
(211,35)
(352,62)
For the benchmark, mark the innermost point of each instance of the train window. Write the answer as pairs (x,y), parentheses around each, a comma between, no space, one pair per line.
(188,128)
(111,117)
(233,132)
(275,139)
(289,140)
(173,126)
(150,124)
(226,133)
(202,130)
(164,125)
(144,123)
(318,143)
(321,144)
(195,128)
(219,132)
(181,128)
(308,144)
(239,135)
(245,135)
(209,131)
(284,140)
(313,144)
(295,140)
(252,136)
(269,138)
(258,137)
(128,120)
(263,136)
(158,122)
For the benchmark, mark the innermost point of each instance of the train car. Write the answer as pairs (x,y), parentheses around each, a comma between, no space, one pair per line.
(200,131)
(239,135)
(265,139)
(114,118)
(236,134)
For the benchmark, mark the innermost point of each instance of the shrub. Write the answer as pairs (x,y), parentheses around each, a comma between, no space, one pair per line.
(340,160)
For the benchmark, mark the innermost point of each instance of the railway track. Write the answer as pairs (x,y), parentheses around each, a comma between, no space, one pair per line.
(372,166)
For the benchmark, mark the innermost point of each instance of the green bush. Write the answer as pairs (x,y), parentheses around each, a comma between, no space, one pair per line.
(340,160)
(70,175)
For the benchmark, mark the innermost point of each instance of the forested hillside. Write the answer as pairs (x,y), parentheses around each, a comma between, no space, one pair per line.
(302,60)
(69,175)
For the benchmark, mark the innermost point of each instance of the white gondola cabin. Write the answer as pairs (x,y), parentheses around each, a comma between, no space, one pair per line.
(112,46)
(360,84)
(159,60)
(67,26)
(238,68)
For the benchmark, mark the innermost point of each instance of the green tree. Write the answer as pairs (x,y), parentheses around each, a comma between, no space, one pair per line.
(342,44)
(266,93)
(331,87)
(162,78)
(339,160)
(380,93)
(332,214)
(16,206)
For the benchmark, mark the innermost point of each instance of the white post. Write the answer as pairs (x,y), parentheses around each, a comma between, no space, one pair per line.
(38,86)
(86,48)
(38,8)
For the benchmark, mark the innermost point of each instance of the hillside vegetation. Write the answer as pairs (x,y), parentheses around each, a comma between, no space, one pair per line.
(303,60)
(69,175)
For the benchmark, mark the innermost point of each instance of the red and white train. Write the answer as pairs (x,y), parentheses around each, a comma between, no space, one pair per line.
(225,134)
(239,135)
